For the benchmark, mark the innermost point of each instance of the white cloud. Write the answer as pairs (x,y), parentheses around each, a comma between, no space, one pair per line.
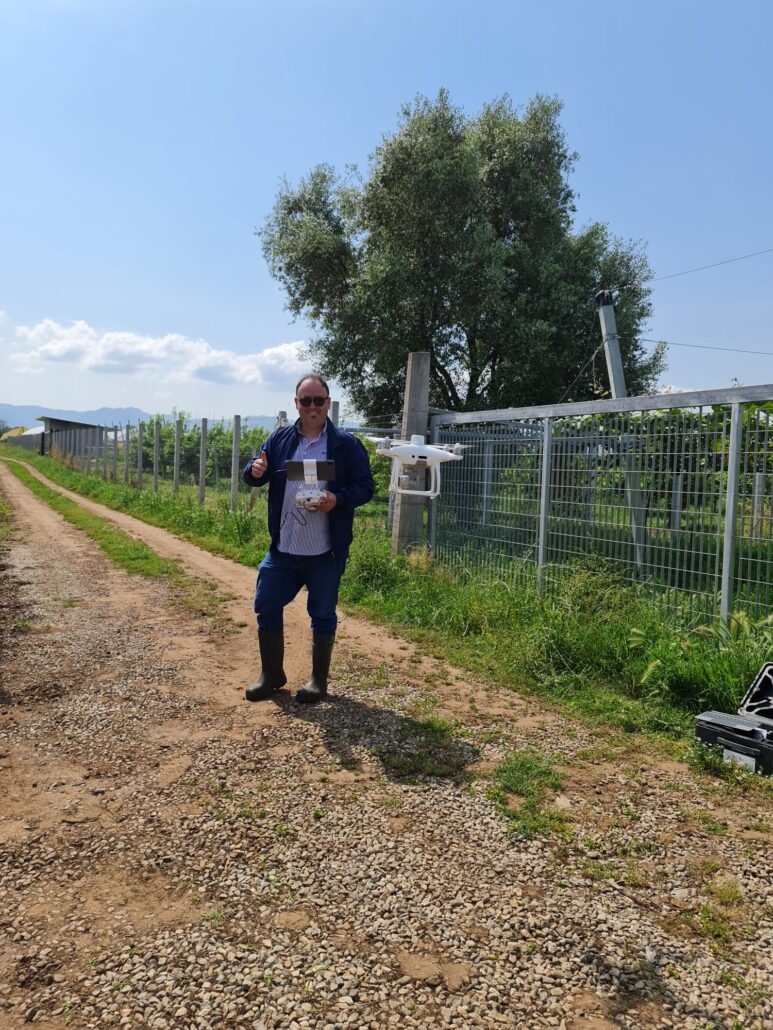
(170,358)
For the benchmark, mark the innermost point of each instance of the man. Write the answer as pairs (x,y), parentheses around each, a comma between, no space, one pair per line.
(308,547)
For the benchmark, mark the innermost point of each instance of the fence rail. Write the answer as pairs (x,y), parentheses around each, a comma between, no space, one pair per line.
(676,491)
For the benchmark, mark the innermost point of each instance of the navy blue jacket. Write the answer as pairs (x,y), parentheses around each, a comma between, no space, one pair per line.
(352,486)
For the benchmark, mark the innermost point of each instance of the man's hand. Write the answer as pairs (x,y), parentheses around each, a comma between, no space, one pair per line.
(259,466)
(328,501)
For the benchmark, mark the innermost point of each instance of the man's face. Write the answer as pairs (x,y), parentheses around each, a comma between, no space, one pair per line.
(312,416)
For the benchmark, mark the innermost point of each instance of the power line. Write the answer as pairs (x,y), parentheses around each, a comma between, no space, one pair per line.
(716,264)
(705,346)
(700,268)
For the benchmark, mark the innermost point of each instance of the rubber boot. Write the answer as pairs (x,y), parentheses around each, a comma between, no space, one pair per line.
(321,651)
(272,676)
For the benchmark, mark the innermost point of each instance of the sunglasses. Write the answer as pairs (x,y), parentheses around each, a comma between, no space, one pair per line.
(306,401)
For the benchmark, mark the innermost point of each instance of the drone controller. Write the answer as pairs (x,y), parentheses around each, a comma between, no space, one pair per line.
(310,495)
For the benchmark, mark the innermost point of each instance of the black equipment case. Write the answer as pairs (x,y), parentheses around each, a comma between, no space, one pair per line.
(746,738)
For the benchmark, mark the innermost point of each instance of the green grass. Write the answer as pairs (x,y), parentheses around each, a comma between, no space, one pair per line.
(531,777)
(131,555)
(425,747)
(6,524)
(626,666)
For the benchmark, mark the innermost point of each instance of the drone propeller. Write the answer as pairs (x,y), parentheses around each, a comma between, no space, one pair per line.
(454,448)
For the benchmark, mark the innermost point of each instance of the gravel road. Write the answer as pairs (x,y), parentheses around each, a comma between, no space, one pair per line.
(173,857)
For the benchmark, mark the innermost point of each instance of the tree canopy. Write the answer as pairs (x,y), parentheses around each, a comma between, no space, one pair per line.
(460,241)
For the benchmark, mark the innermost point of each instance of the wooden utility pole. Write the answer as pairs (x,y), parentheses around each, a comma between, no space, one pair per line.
(408,517)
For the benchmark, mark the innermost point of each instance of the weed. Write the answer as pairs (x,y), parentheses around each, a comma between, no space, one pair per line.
(726,892)
(317,814)
(282,830)
(634,876)
(216,918)
(426,748)
(711,923)
(528,775)
(592,869)
(392,802)
(709,824)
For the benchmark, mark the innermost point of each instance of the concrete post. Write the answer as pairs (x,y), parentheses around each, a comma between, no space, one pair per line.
(236,443)
(731,511)
(203,463)
(611,343)
(543,527)
(178,432)
(156,451)
(126,440)
(140,436)
(115,454)
(408,520)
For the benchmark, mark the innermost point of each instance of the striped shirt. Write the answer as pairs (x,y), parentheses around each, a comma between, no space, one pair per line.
(301,531)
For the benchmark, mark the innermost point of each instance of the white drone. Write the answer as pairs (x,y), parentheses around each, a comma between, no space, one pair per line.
(415,454)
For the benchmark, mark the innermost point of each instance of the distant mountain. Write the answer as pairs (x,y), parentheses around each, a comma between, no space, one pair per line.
(27,415)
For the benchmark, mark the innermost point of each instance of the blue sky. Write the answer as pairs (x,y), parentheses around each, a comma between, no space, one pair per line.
(142,141)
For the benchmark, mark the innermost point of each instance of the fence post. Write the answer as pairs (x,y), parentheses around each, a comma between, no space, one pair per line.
(203,463)
(156,451)
(632,478)
(103,435)
(758,502)
(731,511)
(115,454)
(488,477)
(676,502)
(236,443)
(178,432)
(544,502)
(140,436)
(408,519)
(127,432)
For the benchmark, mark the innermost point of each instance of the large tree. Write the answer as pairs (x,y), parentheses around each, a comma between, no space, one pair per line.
(460,242)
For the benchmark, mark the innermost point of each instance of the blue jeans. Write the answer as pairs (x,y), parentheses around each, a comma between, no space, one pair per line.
(281,576)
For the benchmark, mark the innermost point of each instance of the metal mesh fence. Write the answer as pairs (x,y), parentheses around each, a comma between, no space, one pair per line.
(679,499)
(196,458)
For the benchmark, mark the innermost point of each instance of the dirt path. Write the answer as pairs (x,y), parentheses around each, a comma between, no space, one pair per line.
(173,857)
